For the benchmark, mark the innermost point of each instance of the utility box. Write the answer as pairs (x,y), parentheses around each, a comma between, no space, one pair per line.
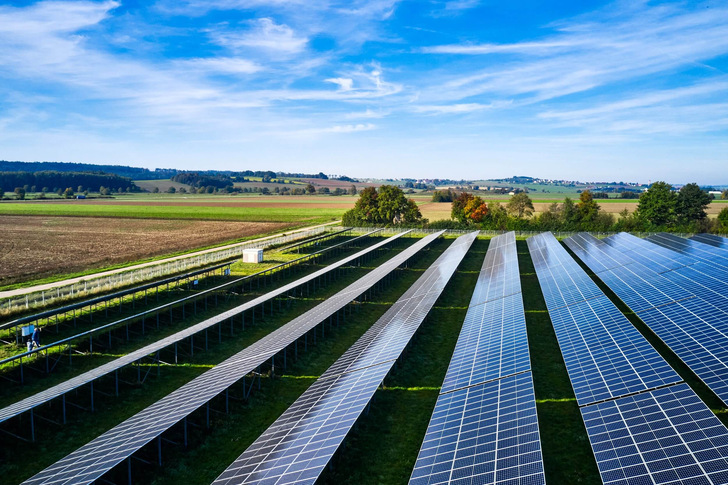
(252,255)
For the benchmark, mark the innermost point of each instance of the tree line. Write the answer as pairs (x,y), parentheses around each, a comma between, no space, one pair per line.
(660,208)
(52,181)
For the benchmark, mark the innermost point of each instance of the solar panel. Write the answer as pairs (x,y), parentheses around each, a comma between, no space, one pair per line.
(297,447)
(684,308)
(487,433)
(99,456)
(666,436)
(58,390)
(694,249)
(712,240)
(492,344)
(605,356)
(484,428)
(657,435)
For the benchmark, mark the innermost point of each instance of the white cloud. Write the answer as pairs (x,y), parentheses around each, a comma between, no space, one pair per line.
(264,34)
(345,84)
(452,108)
(592,51)
(223,65)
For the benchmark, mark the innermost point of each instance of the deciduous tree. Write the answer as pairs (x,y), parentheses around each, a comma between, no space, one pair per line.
(691,203)
(520,205)
(658,205)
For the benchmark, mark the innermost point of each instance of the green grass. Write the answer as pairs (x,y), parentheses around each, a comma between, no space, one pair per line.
(246,214)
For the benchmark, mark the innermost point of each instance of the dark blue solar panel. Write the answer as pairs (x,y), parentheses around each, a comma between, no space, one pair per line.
(666,436)
(486,434)
(605,355)
(297,447)
(692,249)
(659,259)
(492,344)
(712,240)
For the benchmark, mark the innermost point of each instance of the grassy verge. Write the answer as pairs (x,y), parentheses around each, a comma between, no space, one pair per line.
(567,453)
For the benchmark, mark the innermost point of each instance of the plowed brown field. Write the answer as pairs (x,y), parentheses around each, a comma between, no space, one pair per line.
(33,247)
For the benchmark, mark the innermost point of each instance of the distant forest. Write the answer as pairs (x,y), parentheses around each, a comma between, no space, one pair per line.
(136,173)
(52,181)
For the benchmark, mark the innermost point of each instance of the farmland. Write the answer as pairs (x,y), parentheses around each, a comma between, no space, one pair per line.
(37,247)
(248,209)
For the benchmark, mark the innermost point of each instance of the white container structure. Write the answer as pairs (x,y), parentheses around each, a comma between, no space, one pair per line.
(252,256)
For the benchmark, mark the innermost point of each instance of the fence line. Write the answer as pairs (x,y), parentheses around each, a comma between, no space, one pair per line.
(493,233)
(94,285)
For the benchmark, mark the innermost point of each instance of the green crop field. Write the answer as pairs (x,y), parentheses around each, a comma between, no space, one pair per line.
(240,213)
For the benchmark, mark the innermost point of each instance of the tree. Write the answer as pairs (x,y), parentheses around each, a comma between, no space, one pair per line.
(339,191)
(68,193)
(324,190)
(723,219)
(171,190)
(386,206)
(520,205)
(587,208)
(310,189)
(155,190)
(724,194)
(458,207)
(412,213)
(658,205)
(352,189)
(476,209)
(691,204)
(19,193)
(392,204)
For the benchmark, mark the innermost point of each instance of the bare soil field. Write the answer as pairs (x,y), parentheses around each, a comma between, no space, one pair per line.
(33,247)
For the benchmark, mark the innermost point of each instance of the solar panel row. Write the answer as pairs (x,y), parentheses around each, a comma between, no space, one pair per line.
(698,250)
(484,428)
(712,239)
(642,434)
(605,356)
(684,308)
(98,457)
(59,390)
(297,447)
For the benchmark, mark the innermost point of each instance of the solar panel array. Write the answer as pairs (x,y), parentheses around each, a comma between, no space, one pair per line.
(58,390)
(484,428)
(687,307)
(644,424)
(605,356)
(698,250)
(299,444)
(99,456)
(712,239)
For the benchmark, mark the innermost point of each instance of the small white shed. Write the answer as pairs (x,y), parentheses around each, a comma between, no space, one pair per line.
(252,255)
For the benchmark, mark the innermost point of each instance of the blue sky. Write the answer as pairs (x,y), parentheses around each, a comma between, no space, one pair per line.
(589,90)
